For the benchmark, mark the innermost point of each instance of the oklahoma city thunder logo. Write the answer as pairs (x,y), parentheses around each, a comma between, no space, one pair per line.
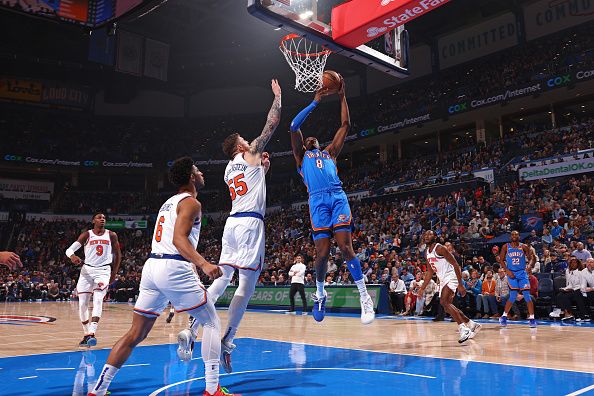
(343,218)
(25,320)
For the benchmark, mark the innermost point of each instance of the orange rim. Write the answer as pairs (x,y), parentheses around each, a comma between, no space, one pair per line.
(294,36)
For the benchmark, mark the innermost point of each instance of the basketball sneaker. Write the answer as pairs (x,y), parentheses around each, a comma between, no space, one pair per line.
(532,322)
(220,392)
(91,341)
(185,345)
(319,308)
(225,359)
(556,313)
(83,342)
(465,334)
(367,312)
(503,321)
(474,328)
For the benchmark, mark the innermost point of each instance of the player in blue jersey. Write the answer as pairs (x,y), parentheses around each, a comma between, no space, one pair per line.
(329,208)
(514,258)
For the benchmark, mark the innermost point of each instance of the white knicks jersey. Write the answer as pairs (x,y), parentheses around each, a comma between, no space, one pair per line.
(439,264)
(98,249)
(163,234)
(247,186)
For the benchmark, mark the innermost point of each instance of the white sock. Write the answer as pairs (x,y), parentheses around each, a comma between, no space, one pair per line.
(531,316)
(105,379)
(211,368)
(504,315)
(362,288)
(320,289)
(85,327)
(461,326)
(93,327)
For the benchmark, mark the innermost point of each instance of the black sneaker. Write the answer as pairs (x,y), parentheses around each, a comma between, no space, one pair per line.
(438,318)
(84,342)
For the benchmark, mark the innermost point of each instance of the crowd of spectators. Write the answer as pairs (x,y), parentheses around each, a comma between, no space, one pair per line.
(387,240)
(140,140)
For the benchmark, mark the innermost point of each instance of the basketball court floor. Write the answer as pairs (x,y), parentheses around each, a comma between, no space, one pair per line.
(279,354)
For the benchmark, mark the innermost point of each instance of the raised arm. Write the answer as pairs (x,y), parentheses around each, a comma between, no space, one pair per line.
(335,147)
(117,255)
(272,121)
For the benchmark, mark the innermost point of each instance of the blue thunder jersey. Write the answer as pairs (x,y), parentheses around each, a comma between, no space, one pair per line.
(515,258)
(319,172)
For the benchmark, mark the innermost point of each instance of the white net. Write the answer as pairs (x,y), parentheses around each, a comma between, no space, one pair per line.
(307,59)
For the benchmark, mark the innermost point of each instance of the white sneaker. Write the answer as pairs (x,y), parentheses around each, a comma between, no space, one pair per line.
(474,328)
(185,345)
(304,313)
(465,334)
(367,312)
(556,313)
(225,360)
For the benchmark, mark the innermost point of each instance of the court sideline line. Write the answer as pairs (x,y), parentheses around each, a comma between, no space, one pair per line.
(581,391)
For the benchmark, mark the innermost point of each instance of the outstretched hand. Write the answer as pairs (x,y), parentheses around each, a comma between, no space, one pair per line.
(276,88)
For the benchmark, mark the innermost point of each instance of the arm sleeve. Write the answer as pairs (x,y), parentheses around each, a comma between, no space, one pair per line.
(302,116)
(73,248)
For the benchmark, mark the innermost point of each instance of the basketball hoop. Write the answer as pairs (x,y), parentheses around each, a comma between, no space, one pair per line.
(307,59)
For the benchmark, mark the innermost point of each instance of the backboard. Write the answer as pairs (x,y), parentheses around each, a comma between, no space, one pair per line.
(312,19)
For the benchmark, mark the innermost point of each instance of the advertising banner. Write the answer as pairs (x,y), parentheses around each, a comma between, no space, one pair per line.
(26,185)
(477,41)
(549,16)
(338,296)
(406,122)
(129,224)
(485,174)
(56,93)
(565,168)
(357,22)
(84,163)
(20,89)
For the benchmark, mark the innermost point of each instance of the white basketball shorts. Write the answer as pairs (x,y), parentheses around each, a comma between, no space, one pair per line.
(450,280)
(165,280)
(243,243)
(93,279)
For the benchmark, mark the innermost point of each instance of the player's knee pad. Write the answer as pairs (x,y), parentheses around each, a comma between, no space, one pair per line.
(526,294)
(83,306)
(513,294)
(98,303)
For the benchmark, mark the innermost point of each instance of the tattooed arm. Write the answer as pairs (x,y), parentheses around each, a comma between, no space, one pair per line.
(274,115)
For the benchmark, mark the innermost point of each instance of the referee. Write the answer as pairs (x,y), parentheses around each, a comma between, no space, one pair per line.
(297,274)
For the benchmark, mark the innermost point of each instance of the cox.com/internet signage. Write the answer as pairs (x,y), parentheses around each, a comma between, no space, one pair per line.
(521,91)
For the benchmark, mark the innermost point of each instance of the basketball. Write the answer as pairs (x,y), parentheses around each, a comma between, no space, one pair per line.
(331,81)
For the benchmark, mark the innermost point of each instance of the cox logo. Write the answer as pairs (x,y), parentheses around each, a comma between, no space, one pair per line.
(458,108)
(557,81)
(367,132)
(91,163)
(9,157)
